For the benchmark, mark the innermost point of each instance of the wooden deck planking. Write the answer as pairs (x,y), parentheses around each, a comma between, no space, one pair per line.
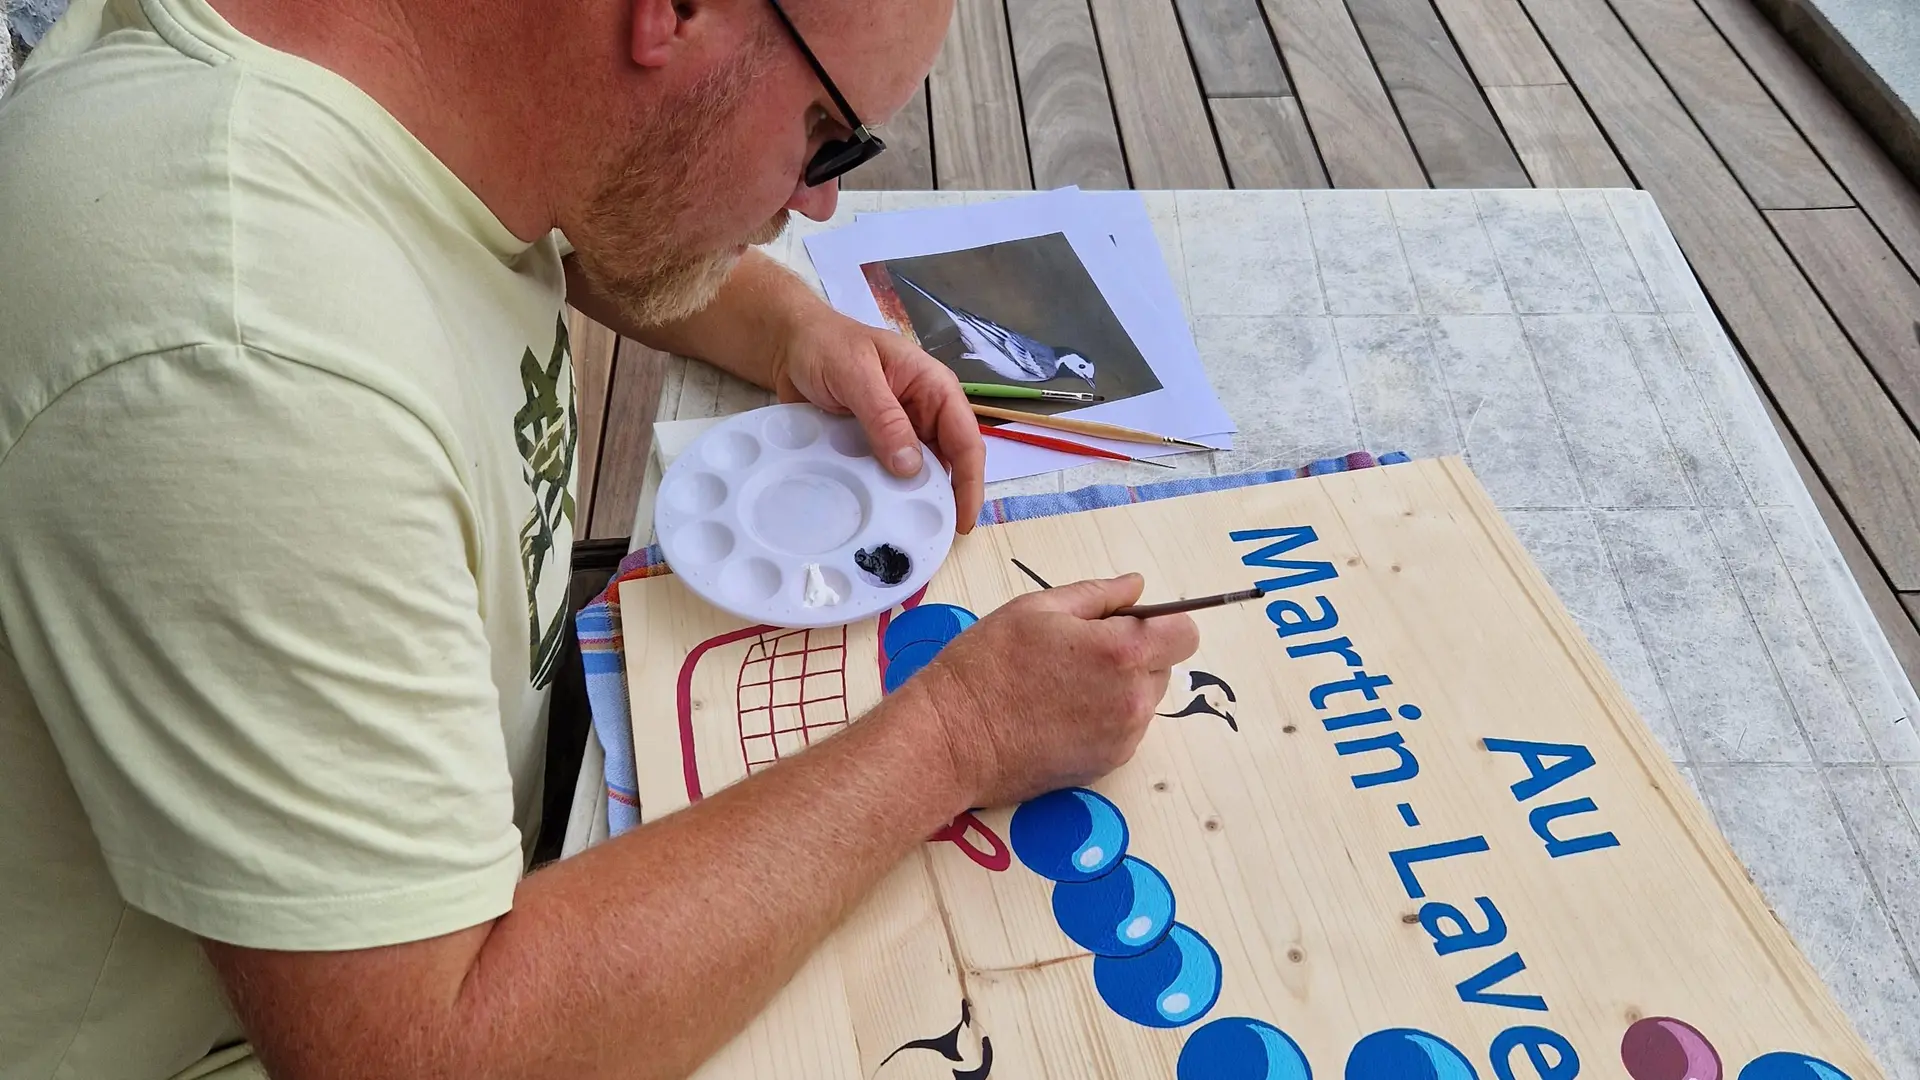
(1870,176)
(1762,147)
(1266,143)
(1556,137)
(1156,96)
(1362,143)
(633,399)
(1452,129)
(908,163)
(1069,115)
(591,347)
(978,136)
(1500,43)
(1829,397)
(1232,50)
(1869,289)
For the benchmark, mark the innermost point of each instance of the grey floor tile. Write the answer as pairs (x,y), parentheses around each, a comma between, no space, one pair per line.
(1256,363)
(1662,267)
(1618,443)
(1568,552)
(1163,211)
(1397,390)
(1362,268)
(1884,832)
(1735,409)
(1706,650)
(1507,428)
(1607,250)
(1784,827)
(1248,256)
(1820,700)
(1540,255)
(1906,781)
(1454,268)
(1695,439)
(1867,672)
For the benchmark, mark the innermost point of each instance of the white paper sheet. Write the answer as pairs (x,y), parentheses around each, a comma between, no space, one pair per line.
(1113,238)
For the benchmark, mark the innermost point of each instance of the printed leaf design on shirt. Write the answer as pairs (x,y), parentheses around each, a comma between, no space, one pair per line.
(547,434)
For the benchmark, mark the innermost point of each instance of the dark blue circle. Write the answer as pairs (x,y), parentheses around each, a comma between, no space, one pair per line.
(1069,835)
(1242,1048)
(1782,1065)
(1123,913)
(1170,985)
(1407,1054)
(928,622)
(909,661)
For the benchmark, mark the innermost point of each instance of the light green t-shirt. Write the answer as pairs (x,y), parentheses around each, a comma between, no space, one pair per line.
(286,447)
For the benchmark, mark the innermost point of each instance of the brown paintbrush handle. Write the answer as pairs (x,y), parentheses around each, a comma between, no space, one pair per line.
(1078,427)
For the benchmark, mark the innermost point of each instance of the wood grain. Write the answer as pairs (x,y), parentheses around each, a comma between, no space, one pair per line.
(1063,87)
(907,164)
(1452,129)
(1278,853)
(1869,289)
(979,140)
(1556,137)
(1761,146)
(1361,140)
(633,399)
(1163,123)
(1266,142)
(1869,175)
(1232,49)
(1500,44)
(1826,391)
(592,347)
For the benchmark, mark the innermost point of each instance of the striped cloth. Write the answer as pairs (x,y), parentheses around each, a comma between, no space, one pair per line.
(599,621)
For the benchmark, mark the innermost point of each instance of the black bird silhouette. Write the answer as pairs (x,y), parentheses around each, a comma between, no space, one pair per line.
(1199,682)
(948,1046)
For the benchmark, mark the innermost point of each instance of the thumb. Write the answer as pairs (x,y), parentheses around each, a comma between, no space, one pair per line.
(888,430)
(1096,598)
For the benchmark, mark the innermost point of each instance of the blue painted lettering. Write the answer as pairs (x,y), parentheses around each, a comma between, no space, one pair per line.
(1408,768)
(1572,759)
(1293,536)
(1542,820)
(1436,917)
(1339,646)
(1363,682)
(1534,1040)
(1405,859)
(1289,618)
(1474,989)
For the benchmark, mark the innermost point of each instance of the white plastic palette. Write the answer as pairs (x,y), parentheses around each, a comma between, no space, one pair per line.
(756,498)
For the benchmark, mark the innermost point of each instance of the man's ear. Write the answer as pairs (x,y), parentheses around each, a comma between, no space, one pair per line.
(656,31)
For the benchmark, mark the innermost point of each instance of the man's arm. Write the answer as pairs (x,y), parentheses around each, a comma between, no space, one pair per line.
(641,957)
(767,327)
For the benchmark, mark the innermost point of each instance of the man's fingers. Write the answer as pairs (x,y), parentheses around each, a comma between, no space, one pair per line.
(888,430)
(1170,639)
(958,436)
(1095,598)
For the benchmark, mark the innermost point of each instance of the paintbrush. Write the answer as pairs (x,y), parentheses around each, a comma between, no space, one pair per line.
(1031,393)
(1065,446)
(1171,607)
(1085,427)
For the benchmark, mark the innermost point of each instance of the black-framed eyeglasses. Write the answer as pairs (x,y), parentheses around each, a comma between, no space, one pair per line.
(837,156)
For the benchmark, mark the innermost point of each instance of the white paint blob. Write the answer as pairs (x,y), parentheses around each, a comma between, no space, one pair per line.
(1175,1004)
(1138,928)
(1091,857)
(818,592)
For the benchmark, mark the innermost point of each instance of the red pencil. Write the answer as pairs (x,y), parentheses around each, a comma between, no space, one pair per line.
(1065,446)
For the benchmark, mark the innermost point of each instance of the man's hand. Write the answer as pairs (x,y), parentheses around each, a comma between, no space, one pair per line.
(900,395)
(1047,693)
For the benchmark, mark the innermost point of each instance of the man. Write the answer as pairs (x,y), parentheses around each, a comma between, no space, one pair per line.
(285,440)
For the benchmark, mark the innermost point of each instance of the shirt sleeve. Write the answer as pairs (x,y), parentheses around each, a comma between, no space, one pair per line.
(242,590)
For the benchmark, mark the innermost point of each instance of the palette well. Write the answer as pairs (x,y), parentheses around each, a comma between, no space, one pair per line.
(782,515)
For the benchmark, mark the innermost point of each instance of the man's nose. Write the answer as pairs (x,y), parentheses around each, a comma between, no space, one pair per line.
(815,202)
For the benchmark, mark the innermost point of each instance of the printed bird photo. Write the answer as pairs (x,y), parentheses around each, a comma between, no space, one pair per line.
(1019,313)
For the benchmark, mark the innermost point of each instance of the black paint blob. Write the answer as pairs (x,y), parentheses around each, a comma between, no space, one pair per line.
(888,564)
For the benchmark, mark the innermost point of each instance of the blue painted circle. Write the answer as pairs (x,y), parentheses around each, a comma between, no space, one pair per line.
(928,622)
(1123,913)
(1242,1048)
(1407,1054)
(910,660)
(1170,985)
(1785,1066)
(1069,835)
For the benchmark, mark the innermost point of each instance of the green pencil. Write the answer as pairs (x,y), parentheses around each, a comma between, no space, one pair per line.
(1031,393)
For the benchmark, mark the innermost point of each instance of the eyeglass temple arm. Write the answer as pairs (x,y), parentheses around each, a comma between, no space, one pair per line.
(860,131)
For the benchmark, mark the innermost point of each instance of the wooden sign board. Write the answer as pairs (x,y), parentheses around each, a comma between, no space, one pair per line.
(1398,822)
